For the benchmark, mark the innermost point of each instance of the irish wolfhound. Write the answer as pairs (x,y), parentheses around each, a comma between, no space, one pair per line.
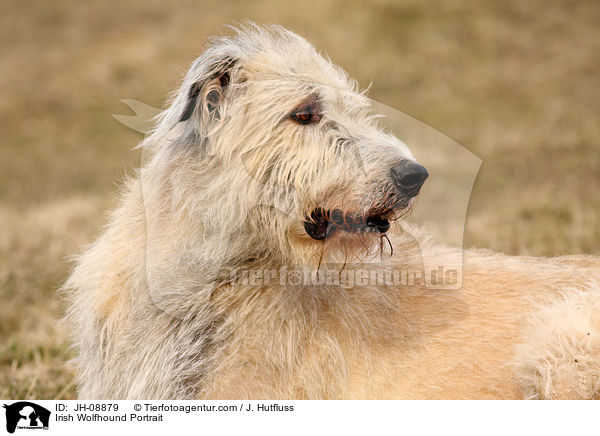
(269,161)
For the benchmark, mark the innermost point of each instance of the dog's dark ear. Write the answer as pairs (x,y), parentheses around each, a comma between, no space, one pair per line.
(207,95)
(201,101)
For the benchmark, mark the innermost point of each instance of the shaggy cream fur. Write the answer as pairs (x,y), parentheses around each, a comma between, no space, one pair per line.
(187,292)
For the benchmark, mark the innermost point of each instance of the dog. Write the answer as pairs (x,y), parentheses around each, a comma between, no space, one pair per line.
(266,183)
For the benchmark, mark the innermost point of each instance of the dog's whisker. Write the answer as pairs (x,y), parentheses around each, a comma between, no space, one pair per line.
(389,242)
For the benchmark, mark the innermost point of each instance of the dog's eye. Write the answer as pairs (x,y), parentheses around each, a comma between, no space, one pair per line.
(306,115)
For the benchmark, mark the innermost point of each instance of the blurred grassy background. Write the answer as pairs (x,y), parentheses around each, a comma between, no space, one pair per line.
(515,81)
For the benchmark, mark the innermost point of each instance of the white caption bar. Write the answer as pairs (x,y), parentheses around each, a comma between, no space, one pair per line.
(44,418)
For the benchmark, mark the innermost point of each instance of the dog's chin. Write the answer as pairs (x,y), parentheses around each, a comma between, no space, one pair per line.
(324,223)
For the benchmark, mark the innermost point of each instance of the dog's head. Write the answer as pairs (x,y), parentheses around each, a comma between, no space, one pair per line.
(270,132)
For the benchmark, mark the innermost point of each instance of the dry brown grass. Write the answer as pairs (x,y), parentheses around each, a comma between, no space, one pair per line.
(515,82)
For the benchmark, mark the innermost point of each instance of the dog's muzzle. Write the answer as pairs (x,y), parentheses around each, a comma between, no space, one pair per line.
(407,178)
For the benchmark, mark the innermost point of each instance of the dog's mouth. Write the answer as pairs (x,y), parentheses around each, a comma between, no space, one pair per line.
(323,223)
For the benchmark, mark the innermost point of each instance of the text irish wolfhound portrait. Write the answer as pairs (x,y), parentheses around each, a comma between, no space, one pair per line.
(270,161)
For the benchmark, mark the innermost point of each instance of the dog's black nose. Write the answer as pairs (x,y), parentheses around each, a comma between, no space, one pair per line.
(409,176)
